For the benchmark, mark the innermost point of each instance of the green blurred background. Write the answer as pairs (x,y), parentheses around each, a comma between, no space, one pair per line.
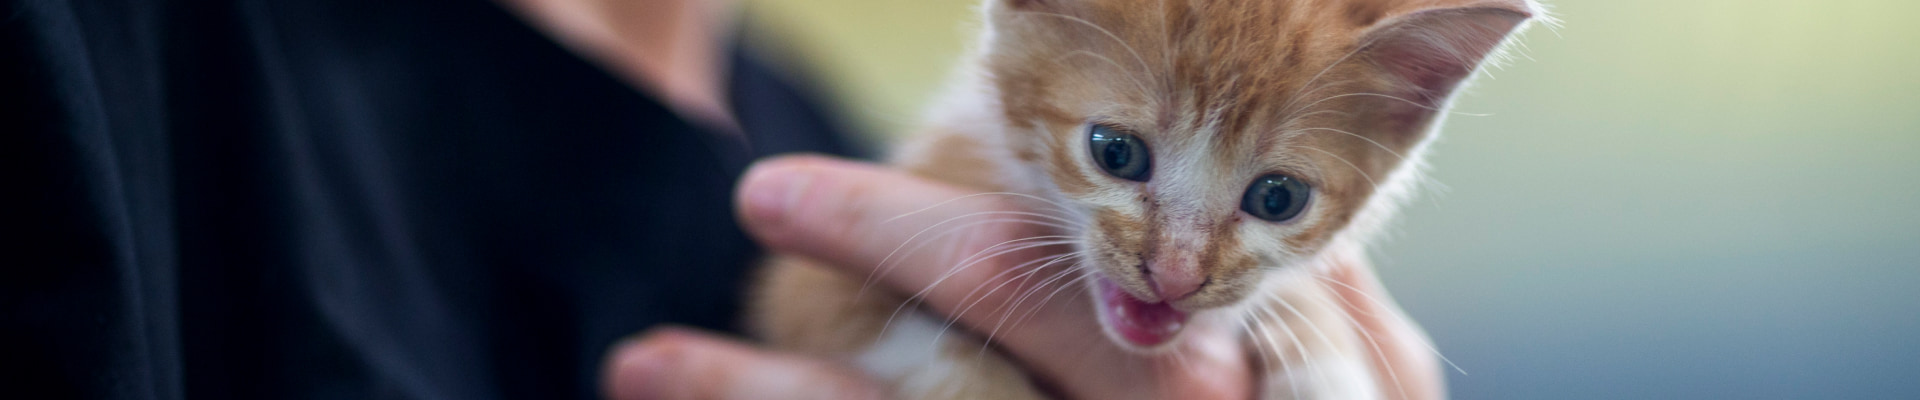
(1669,199)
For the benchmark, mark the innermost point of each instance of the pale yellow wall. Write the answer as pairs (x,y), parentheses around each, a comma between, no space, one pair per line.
(884,57)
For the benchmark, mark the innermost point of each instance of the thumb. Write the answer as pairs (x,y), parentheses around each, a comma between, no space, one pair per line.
(680,364)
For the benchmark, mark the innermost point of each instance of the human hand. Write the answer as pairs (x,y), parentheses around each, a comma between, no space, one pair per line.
(837,212)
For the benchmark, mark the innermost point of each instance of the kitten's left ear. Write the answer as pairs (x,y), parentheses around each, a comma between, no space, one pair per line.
(1427,53)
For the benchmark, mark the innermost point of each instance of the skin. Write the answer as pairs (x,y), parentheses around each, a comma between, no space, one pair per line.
(832,211)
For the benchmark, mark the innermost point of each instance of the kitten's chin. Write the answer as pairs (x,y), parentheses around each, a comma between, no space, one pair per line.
(1134,324)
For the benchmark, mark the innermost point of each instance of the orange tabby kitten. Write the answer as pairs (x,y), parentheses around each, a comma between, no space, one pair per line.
(1204,159)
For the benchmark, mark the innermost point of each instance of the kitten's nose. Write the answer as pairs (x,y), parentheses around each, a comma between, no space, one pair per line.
(1173,284)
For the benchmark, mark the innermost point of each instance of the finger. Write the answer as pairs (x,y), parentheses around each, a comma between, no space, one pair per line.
(1402,349)
(861,218)
(678,364)
(854,216)
(857,216)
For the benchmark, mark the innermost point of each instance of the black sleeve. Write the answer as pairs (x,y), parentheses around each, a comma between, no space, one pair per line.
(87,298)
(351,199)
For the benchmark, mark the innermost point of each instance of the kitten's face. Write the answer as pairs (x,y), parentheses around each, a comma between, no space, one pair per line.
(1214,146)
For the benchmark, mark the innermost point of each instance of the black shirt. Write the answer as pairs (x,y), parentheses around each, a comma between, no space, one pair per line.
(350,199)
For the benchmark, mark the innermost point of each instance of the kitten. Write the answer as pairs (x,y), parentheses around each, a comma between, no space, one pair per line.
(1211,158)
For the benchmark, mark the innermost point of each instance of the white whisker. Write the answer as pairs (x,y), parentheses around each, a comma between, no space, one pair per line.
(1383,305)
(1306,357)
(1294,112)
(1072,283)
(1144,68)
(1274,346)
(1369,140)
(983,297)
(951,272)
(1378,354)
(1391,97)
(1012,307)
(1356,168)
(1035,308)
(1061,207)
(884,267)
(1391,374)
(1323,72)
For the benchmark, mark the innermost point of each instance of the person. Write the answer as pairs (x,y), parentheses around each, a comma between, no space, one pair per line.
(411,199)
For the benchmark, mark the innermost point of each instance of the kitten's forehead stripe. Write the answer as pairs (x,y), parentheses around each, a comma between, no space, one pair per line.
(1365,12)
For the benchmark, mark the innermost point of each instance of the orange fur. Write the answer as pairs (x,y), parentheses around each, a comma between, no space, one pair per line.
(1340,94)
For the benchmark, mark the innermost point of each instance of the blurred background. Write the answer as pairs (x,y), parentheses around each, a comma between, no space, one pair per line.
(1668,199)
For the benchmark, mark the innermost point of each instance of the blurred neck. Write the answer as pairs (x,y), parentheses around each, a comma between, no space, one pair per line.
(672,49)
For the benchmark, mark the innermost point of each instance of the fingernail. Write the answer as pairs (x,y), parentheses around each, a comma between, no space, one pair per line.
(771,191)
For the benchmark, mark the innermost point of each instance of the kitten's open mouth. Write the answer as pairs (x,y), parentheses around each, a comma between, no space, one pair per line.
(1142,324)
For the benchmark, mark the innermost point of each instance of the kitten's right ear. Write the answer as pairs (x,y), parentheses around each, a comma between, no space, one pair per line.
(1429,52)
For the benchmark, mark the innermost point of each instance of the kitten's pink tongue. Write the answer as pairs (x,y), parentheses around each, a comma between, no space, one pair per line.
(1146,325)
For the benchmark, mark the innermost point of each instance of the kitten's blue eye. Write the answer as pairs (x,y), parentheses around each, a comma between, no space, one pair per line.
(1275,198)
(1119,153)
